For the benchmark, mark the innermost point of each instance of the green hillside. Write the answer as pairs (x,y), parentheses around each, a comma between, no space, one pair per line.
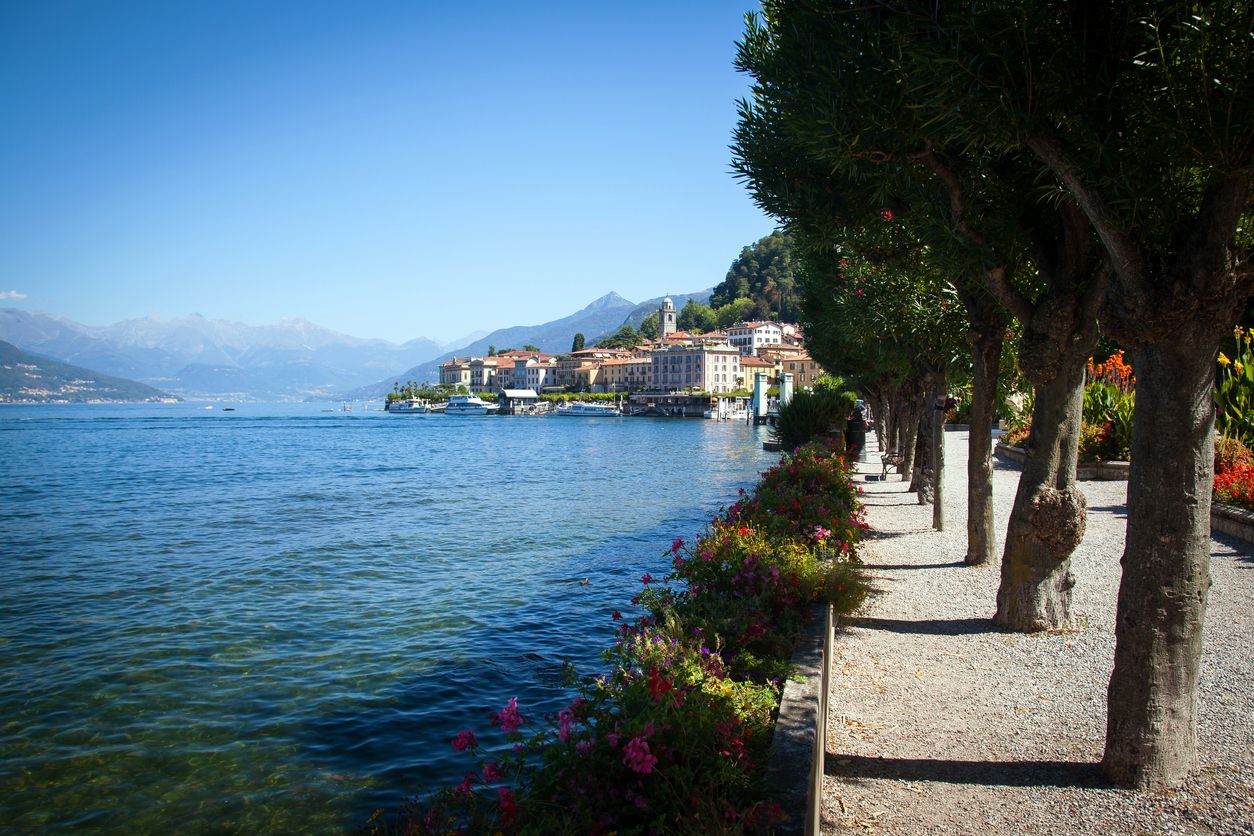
(29,378)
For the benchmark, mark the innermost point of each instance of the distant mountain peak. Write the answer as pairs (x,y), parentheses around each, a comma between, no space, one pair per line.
(609,300)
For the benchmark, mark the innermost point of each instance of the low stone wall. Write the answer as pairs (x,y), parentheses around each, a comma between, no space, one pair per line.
(1235,522)
(794,771)
(1103,471)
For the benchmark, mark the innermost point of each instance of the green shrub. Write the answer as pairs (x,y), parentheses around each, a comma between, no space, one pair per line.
(814,414)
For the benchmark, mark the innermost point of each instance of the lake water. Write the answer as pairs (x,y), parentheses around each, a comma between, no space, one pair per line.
(274,619)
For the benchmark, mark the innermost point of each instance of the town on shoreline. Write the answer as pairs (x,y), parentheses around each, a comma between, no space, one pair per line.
(678,373)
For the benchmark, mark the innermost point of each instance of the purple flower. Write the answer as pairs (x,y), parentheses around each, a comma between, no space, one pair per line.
(492,772)
(464,740)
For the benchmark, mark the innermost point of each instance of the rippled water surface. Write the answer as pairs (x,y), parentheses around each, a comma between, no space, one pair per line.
(274,619)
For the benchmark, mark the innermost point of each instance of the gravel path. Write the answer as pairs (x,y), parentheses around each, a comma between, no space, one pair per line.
(941,724)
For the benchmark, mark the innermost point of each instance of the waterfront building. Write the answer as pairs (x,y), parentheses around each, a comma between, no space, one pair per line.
(750,337)
(804,369)
(628,374)
(456,372)
(536,373)
(578,369)
(749,366)
(704,367)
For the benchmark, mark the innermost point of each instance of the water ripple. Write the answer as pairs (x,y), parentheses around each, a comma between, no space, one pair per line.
(273,619)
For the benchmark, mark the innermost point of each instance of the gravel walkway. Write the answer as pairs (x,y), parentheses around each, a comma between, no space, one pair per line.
(941,724)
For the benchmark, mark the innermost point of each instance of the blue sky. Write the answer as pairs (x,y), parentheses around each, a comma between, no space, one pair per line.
(384,169)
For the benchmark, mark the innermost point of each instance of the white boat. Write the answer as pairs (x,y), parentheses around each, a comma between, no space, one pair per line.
(470,405)
(590,410)
(416,406)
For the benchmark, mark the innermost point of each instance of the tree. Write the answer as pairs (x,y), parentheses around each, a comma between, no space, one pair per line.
(738,310)
(491,351)
(696,317)
(1140,115)
(624,337)
(531,347)
(649,328)
(888,121)
(766,274)
(577,343)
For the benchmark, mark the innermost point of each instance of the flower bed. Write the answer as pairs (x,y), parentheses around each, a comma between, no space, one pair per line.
(674,736)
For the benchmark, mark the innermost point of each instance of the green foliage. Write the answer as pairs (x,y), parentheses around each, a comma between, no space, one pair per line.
(696,317)
(577,343)
(649,328)
(814,414)
(1235,392)
(412,389)
(531,347)
(624,337)
(764,275)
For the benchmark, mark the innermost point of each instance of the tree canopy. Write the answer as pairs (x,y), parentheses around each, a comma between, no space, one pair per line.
(765,273)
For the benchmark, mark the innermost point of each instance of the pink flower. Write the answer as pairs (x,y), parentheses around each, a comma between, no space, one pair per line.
(583,747)
(464,740)
(646,579)
(505,800)
(464,789)
(492,772)
(564,719)
(637,757)
(612,739)
(677,544)
(508,719)
(616,615)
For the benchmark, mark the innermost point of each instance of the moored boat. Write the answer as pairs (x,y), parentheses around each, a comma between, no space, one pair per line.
(580,409)
(469,405)
(415,406)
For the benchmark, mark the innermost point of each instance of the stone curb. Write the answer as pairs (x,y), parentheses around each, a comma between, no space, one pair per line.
(1102,471)
(794,769)
(1226,519)
(1235,522)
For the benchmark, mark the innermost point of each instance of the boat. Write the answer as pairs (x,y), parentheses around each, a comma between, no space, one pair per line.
(580,409)
(414,406)
(469,405)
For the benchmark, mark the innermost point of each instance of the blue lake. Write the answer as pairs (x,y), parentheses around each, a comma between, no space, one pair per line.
(274,619)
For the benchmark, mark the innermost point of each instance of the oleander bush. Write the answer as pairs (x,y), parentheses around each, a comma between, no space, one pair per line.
(673,736)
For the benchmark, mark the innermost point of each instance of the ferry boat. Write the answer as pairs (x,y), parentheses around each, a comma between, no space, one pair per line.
(470,405)
(590,410)
(415,406)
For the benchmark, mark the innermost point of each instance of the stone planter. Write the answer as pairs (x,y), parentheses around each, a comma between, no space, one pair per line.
(1099,471)
(1235,522)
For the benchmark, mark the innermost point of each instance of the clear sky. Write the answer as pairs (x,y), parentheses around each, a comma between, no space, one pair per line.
(386,169)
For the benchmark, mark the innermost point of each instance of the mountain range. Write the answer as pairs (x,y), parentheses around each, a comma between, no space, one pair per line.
(201,359)
(29,378)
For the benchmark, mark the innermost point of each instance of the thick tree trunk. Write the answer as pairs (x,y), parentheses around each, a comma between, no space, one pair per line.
(981,537)
(1151,726)
(1048,518)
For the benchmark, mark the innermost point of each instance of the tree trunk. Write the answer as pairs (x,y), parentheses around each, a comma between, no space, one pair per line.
(1151,726)
(921,475)
(908,428)
(986,347)
(1048,518)
(937,395)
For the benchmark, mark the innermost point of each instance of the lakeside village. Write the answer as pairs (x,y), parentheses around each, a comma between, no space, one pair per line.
(741,372)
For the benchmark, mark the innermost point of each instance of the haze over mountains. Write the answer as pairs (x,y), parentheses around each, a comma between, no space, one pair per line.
(201,359)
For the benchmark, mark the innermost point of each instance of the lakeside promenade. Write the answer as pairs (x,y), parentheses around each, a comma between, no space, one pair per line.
(940,723)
